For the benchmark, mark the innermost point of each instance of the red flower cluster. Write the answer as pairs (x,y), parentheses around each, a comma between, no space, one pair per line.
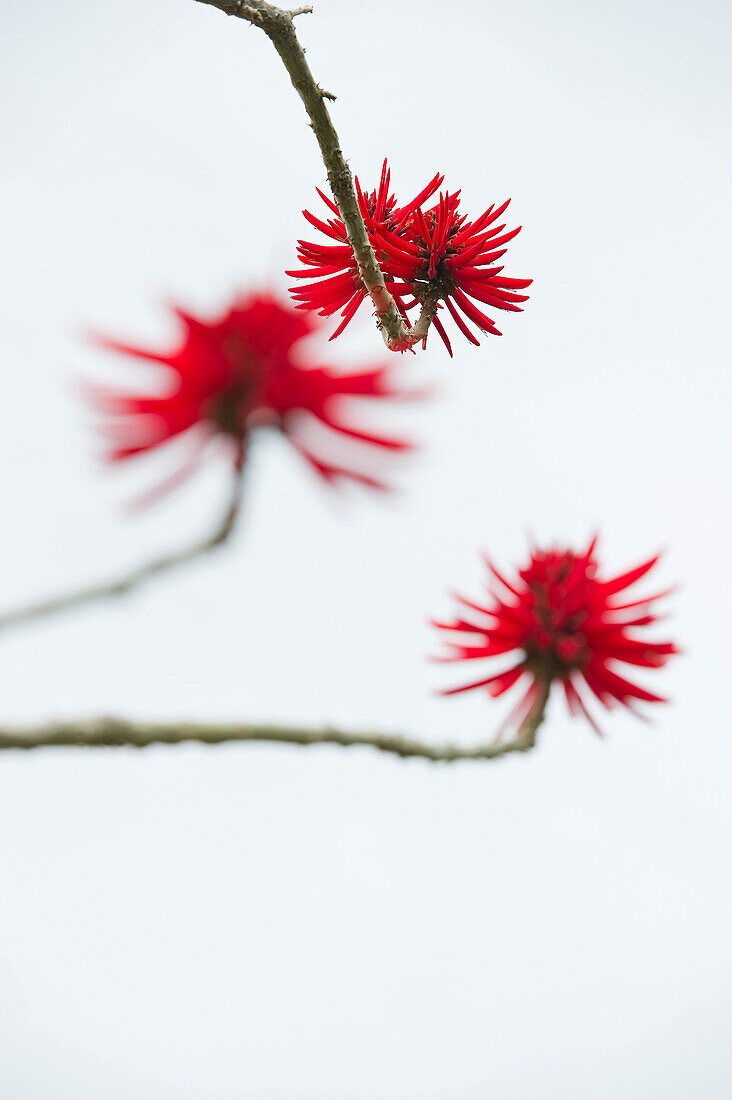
(228,377)
(424,254)
(568,625)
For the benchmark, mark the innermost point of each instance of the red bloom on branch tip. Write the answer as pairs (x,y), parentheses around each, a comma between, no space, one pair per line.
(336,282)
(441,254)
(246,370)
(562,622)
(426,256)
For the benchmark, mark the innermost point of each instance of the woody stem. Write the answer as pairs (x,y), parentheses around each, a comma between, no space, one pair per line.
(526,735)
(129,581)
(100,732)
(278,25)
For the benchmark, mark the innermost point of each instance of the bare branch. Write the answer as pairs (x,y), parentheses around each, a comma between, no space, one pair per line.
(98,732)
(128,581)
(277,24)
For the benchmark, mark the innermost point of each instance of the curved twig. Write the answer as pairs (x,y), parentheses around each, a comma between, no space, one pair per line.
(278,25)
(119,586)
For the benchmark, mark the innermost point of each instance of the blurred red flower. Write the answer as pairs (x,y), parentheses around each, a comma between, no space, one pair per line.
(229,377)
(568,625)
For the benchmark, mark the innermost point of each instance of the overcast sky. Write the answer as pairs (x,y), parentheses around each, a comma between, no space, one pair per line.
(265,922)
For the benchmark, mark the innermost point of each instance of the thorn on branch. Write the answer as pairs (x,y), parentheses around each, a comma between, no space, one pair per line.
(326,95)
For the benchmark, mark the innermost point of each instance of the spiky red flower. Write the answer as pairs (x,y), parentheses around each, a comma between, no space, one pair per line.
(336,282)
(441,254)
(430,255)
(563,623)
(228,377)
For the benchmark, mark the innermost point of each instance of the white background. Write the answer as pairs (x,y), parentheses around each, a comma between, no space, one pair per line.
(265,922)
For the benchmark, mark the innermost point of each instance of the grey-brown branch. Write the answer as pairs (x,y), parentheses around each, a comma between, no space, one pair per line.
(125,583)
(109,732)
(278,25)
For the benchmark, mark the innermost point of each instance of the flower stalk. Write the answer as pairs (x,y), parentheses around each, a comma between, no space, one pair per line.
(116,732)
(278,25)
(127,582)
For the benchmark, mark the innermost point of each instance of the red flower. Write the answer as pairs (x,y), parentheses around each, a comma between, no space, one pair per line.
(567,625)
(437,253)
(440,253)
(228,377)
(337,284)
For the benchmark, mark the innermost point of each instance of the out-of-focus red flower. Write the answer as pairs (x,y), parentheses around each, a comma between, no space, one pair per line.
(441,253)
(564,623)
(336,282)
(246,370)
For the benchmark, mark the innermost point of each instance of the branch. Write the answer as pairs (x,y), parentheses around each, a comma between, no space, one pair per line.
(128,581)
(530,725)
(278,25)
(98,732)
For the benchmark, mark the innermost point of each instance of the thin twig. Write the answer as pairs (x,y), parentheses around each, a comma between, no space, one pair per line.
(128,581)
(278,25)
(98,732)
(530,725)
